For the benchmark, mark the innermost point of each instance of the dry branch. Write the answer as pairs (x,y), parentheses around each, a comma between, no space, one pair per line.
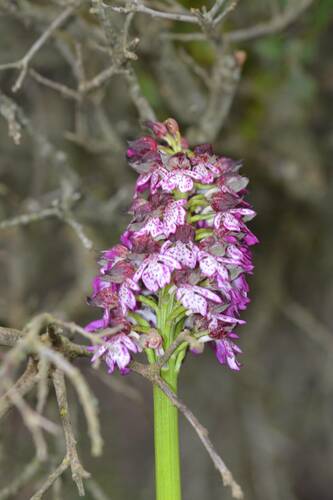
(22,387)
(53,476)
(78,472)
(23,64)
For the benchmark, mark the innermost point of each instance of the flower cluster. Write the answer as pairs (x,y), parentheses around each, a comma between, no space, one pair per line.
(185,253)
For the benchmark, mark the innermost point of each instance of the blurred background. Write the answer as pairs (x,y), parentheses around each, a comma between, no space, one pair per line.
(267,100)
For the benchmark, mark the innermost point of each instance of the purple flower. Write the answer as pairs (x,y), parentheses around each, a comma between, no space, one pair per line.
(155,271)
(141,149)
(184,253)
(182,180)
(115,352)
(226,352)
(211,265)
(173,216)
(126,296)
(194,298)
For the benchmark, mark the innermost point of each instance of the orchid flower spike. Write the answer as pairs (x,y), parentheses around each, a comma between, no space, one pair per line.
(182,261)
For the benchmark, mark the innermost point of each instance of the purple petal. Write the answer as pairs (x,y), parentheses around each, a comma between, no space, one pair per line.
(193,302)
(207,294)
(208,264)
(185,184)
(97,324)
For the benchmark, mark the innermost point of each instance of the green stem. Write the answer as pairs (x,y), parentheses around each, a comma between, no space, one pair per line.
(167,466)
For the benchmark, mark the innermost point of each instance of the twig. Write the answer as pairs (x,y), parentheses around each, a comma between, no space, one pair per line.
(8,111)
(223,84)
(216,7)
(58,87)
(86,397)
(276,24)
(99,79)
(23,386)
(145,111)
(74,328)
(43,384)
(78,229)
(78,472)
(280,21)
(162,360)
(9,336)
(172,16)
(51,479)
(24,219)
(56,211)
(23,63)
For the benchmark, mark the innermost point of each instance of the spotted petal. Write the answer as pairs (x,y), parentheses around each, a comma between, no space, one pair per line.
(226,353)
(207,294)
(208,264)
(192,301)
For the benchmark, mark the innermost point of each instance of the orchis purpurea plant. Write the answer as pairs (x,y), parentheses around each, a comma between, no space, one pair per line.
(178,272)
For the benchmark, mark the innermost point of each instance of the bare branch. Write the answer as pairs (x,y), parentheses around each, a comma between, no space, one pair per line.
(54,211)
(276,24)
(99,79)
(141,8)
(9,336)
(78,229)
(23,63)
(86,397)
(223,84)
(51,479)
(141,103)
(279,22)
(22,387)
(162,360)
(24,219)
(8,111)
(78,472)
(58,87)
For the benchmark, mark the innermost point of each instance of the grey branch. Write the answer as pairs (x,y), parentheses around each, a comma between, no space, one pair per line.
(86,397)
(25,219)
(23,63)
(78,472)
(58,87)
(277,23)
(64,214)
(23,386)
(51,479)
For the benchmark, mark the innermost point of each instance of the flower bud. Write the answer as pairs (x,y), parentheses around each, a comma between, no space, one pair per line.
(172,126)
